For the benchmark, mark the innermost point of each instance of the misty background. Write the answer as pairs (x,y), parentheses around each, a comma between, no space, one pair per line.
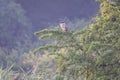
(19,19)
(43,12)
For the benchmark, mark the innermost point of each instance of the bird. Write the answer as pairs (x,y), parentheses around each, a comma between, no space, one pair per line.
(63,27)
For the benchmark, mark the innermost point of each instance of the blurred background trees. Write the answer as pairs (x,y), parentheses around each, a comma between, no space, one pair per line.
(16,35)
(81,53)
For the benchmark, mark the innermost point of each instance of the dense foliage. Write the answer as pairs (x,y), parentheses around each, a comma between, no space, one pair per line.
(91,53)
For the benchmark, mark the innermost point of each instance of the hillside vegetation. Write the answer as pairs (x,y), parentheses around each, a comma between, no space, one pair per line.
(91,53)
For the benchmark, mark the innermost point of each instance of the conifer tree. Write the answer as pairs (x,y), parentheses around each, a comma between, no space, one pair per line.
(93,52)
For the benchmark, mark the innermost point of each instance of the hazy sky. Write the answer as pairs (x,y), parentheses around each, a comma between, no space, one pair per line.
(46,11)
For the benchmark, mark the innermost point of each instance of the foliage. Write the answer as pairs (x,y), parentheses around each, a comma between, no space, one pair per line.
(16,33)
(91,52)
(12,20)
(5,74)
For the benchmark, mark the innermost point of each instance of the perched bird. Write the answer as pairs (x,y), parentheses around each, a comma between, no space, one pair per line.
(63,27)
